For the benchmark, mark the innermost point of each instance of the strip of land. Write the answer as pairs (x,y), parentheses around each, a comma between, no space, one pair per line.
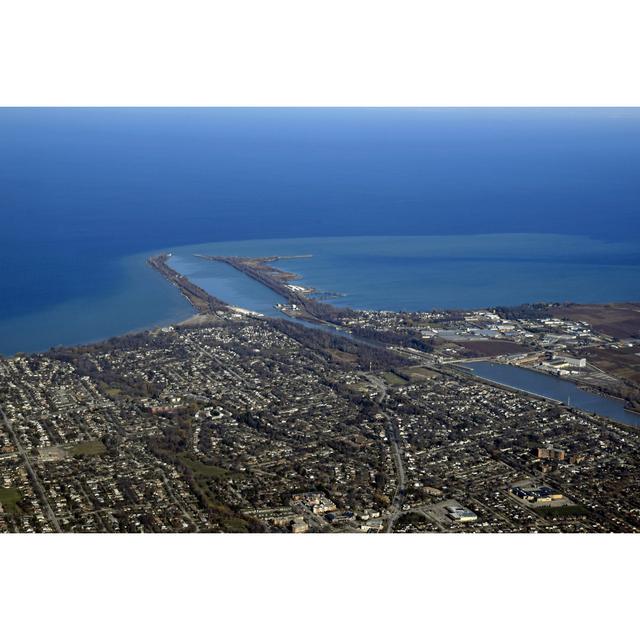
(201,301)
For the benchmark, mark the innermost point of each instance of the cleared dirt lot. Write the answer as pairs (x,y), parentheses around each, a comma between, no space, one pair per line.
(619,320)
(480,348)
(620,363)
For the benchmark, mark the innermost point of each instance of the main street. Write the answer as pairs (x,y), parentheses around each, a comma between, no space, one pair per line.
(398,497)
(393,437)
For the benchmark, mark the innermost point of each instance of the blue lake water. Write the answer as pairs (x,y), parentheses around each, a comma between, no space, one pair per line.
(225,282)
(87,194)
(139,298)
(429,272)
(398,273)
(553,387)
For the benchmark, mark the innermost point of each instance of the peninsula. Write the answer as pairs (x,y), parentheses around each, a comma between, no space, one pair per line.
(300,304)
(199,299)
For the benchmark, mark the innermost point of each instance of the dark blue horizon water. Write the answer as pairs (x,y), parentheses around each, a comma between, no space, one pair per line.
(86,194)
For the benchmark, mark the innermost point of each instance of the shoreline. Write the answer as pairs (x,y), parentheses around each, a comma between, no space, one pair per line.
(127,306)
(277,280)
(300,305)
(199,299)
(207,307)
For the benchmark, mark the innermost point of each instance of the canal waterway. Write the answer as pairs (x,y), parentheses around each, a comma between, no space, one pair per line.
(554,388)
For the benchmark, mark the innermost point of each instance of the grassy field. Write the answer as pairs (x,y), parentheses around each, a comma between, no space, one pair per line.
(393,379)
(88,448)
(360,387)
(342,356)
(9,499)
(204,481)
(205,470)
(112,392)
(620,363)
(418,374)
(566,511)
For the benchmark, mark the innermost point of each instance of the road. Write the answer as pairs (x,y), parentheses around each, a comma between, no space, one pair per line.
(380,386)
(178,503)
(393,436)
(398,498)
(34,476)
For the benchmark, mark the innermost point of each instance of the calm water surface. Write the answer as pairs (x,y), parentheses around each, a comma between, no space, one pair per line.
(87,194)
(138,298)
(555,388)
(398,273)
(416,273)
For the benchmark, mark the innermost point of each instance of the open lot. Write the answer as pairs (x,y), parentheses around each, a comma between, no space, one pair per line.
(481,348)
(88,448)
(393,379)
(440,514)
(623,364)
(620,320)
(9,499)
(418,374)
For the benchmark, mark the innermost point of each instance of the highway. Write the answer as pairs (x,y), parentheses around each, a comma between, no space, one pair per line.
(398,497)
